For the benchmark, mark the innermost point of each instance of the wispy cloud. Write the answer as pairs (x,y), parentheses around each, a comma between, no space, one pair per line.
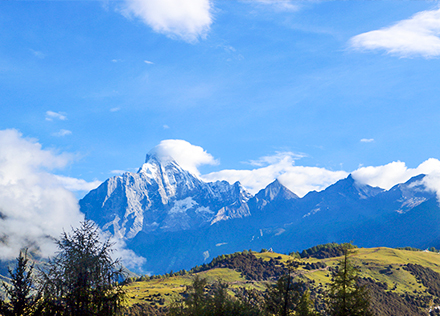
(277,158)
(115,109)
(50,116)
(416,36)
(367,140)
(148,62)
(189,20)
(118,171)
(280,5)
(38,54)
(74,184)
(62,132)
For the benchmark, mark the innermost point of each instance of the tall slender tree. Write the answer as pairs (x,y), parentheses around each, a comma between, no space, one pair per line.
(20,293)
(288,297)
(83,279)
(346,296)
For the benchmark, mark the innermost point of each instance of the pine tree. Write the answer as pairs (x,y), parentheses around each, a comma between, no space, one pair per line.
(82,278)
(346,297)
(20,292)
(305,306)
(288,297)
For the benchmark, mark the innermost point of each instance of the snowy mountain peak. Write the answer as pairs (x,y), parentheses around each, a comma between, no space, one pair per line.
(160,197)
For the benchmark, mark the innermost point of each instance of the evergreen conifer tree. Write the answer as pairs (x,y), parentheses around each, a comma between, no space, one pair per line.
(20,293)
(346,297)
(82,279)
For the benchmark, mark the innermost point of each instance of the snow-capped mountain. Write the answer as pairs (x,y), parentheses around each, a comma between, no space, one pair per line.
(176,220)
(162,197)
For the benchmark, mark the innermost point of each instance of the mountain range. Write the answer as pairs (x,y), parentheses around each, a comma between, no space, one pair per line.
(176,220)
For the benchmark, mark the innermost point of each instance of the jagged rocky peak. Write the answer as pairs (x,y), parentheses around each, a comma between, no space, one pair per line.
(276,190)
(351,186)
(162,196)
(411,193)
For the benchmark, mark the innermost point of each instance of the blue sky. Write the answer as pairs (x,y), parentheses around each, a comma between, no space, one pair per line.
(309,90)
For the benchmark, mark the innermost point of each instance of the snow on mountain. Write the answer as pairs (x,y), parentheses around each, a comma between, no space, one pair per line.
(161,196)
(165,209)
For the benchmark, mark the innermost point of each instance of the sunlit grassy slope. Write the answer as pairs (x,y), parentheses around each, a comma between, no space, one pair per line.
(381,264)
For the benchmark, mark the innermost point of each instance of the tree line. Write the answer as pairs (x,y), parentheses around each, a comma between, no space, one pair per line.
(82,279)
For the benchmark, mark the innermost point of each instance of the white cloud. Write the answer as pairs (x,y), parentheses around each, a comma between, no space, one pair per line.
(118,171)
(128,257)
(185,19)
(74,184)
(188,156)
(367,140)
(115,109)
(396,172)
(418,35)
(35,206)
(148,62)
(298,179)
(274,159)
(31,197)
(50,116)
(62,132)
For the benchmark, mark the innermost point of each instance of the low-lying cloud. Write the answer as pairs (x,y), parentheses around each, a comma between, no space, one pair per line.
(35,206)
(396,172)
(189,20)
(416,36)
(281,166)
(299,179)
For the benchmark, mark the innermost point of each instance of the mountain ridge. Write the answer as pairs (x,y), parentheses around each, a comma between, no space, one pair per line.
(165,209)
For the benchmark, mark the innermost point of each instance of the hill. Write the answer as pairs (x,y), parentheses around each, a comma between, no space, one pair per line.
(400,282)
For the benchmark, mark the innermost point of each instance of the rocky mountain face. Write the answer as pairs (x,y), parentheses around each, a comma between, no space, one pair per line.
(175,220)
(162,197)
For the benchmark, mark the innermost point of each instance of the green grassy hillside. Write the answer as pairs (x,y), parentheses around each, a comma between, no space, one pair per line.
(383,268)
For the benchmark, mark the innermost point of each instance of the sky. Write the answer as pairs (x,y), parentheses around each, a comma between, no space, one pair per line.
(303,91)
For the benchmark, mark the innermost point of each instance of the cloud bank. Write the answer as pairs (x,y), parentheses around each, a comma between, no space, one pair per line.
(35,206)
(185,19)
(281,166)
(416,36)
(298,179)
(396,172)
